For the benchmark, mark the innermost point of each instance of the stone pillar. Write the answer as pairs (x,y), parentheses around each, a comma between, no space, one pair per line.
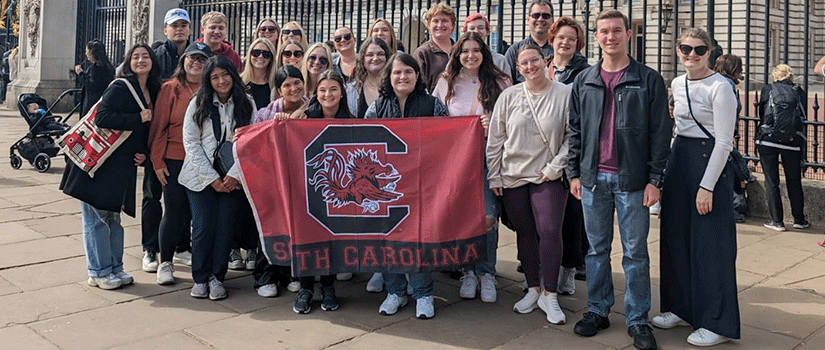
(137,24)
(45,60)
(157,11)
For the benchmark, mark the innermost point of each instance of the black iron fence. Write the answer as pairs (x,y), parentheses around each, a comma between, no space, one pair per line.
(763,33)
(104,20)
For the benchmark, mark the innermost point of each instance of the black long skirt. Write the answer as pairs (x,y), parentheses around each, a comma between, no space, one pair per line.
(698,252)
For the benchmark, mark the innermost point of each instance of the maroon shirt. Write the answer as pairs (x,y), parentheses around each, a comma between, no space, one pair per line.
(608,157)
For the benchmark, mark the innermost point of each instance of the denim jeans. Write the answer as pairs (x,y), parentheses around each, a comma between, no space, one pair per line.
(103,240)
(492,205)
(599,203)
(422,283)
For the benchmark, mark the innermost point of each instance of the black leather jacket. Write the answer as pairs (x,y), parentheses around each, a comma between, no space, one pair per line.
(642,127)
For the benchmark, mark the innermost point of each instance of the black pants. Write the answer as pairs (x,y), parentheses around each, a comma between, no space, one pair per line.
(270,274)
(152,211)
(213,217)
(572,234)
(176,221)
(792,164)
(308,283)
(245,235)
(698,252)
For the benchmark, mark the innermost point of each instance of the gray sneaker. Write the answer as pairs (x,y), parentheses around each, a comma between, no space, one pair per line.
(488,288)
(424,308)
(183,257)
(567,281)
(107,282)
(199,290)
(166,273)
(149,262)
(251,256)
(236,260)
(125,278)
(216,289)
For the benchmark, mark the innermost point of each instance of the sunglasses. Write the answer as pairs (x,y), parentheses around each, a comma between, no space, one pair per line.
(265,53)
(338,38)
(197,58)
(271,29)
(321,59)
(700,50)
(296,53)
(543,15)
(295,32)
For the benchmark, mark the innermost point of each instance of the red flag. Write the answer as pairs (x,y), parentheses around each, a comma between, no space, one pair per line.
(391,195)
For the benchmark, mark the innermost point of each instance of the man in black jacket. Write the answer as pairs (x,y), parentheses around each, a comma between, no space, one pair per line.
(619,143)
(177,28)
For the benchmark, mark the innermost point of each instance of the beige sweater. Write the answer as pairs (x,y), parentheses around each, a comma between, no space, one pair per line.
(516,152)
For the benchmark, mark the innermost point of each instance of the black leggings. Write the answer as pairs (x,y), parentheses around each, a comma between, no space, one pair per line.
(174,227)
(308,282)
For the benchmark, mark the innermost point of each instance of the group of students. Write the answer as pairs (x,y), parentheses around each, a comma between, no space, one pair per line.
(568,145)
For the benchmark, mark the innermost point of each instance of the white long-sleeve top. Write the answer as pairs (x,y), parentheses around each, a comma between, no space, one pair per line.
(714,105)
(200,143)
(516,152)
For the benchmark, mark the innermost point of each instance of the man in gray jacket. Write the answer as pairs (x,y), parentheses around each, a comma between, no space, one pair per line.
(619,143)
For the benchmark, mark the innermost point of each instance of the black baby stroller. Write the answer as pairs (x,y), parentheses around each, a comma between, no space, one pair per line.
(38,146)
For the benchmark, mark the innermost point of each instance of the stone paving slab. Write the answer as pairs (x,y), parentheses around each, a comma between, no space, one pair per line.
(783,311)
(42,250)
(7,287)
(59,225)
(13,232)
(43,304)
(50,274)
(547,337)
(177,340)
(22,337)
(386,341)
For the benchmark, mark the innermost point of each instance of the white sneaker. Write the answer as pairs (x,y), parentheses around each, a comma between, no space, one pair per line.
(668,320)
(704,337)
(529,303)
(567,281)
(251,256)
(183,257)
(268,290)
(488,288)
(166,273)
(469,284)
(344,276)
(294,286)
(376,283)
(549,303)
(236,260)
(150,262)
(109,281)
(125,278)
(391,304)
(424,308)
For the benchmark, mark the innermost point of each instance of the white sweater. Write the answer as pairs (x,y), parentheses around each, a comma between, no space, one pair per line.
(714,105)
(516,152)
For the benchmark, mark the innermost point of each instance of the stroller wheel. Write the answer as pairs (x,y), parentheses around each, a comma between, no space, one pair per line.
(42,162)
(15,161)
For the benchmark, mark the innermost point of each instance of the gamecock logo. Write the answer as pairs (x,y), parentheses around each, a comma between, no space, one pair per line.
(361,179)
(354,194)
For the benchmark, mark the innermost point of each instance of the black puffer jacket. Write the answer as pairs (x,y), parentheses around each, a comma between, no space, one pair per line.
(577,64)
(168,57)
(642,127)
(418,104)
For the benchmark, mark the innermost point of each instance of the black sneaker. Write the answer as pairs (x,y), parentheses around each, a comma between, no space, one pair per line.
(591,324)
(303,302)
(642,337)
(330,301)
(801,225)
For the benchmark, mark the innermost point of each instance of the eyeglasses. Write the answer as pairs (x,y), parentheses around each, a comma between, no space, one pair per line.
(271,29)
(295,32)
(321,59)
(346,37)
(700,50)
(543,15)
(197,58)
(296,53)
(265,53)
(525,63)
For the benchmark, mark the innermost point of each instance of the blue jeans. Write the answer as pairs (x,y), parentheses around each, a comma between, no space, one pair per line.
(422,283)
(103,240)
(492,205)
(599,203)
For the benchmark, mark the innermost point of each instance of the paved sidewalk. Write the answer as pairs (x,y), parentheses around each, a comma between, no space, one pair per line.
(46,304)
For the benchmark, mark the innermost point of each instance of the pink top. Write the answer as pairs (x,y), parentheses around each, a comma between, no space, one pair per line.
(465,99)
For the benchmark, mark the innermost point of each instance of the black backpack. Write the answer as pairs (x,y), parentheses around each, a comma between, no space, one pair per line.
(784,115)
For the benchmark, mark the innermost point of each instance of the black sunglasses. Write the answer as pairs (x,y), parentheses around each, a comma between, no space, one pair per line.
(338,38)
(271,29)
(197,58)
(321,59)
(543,15)
(296,53)
(700,50)
(296,32)
(265,53)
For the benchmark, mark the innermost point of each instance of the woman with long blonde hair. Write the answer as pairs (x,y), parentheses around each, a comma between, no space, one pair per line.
(317,59)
